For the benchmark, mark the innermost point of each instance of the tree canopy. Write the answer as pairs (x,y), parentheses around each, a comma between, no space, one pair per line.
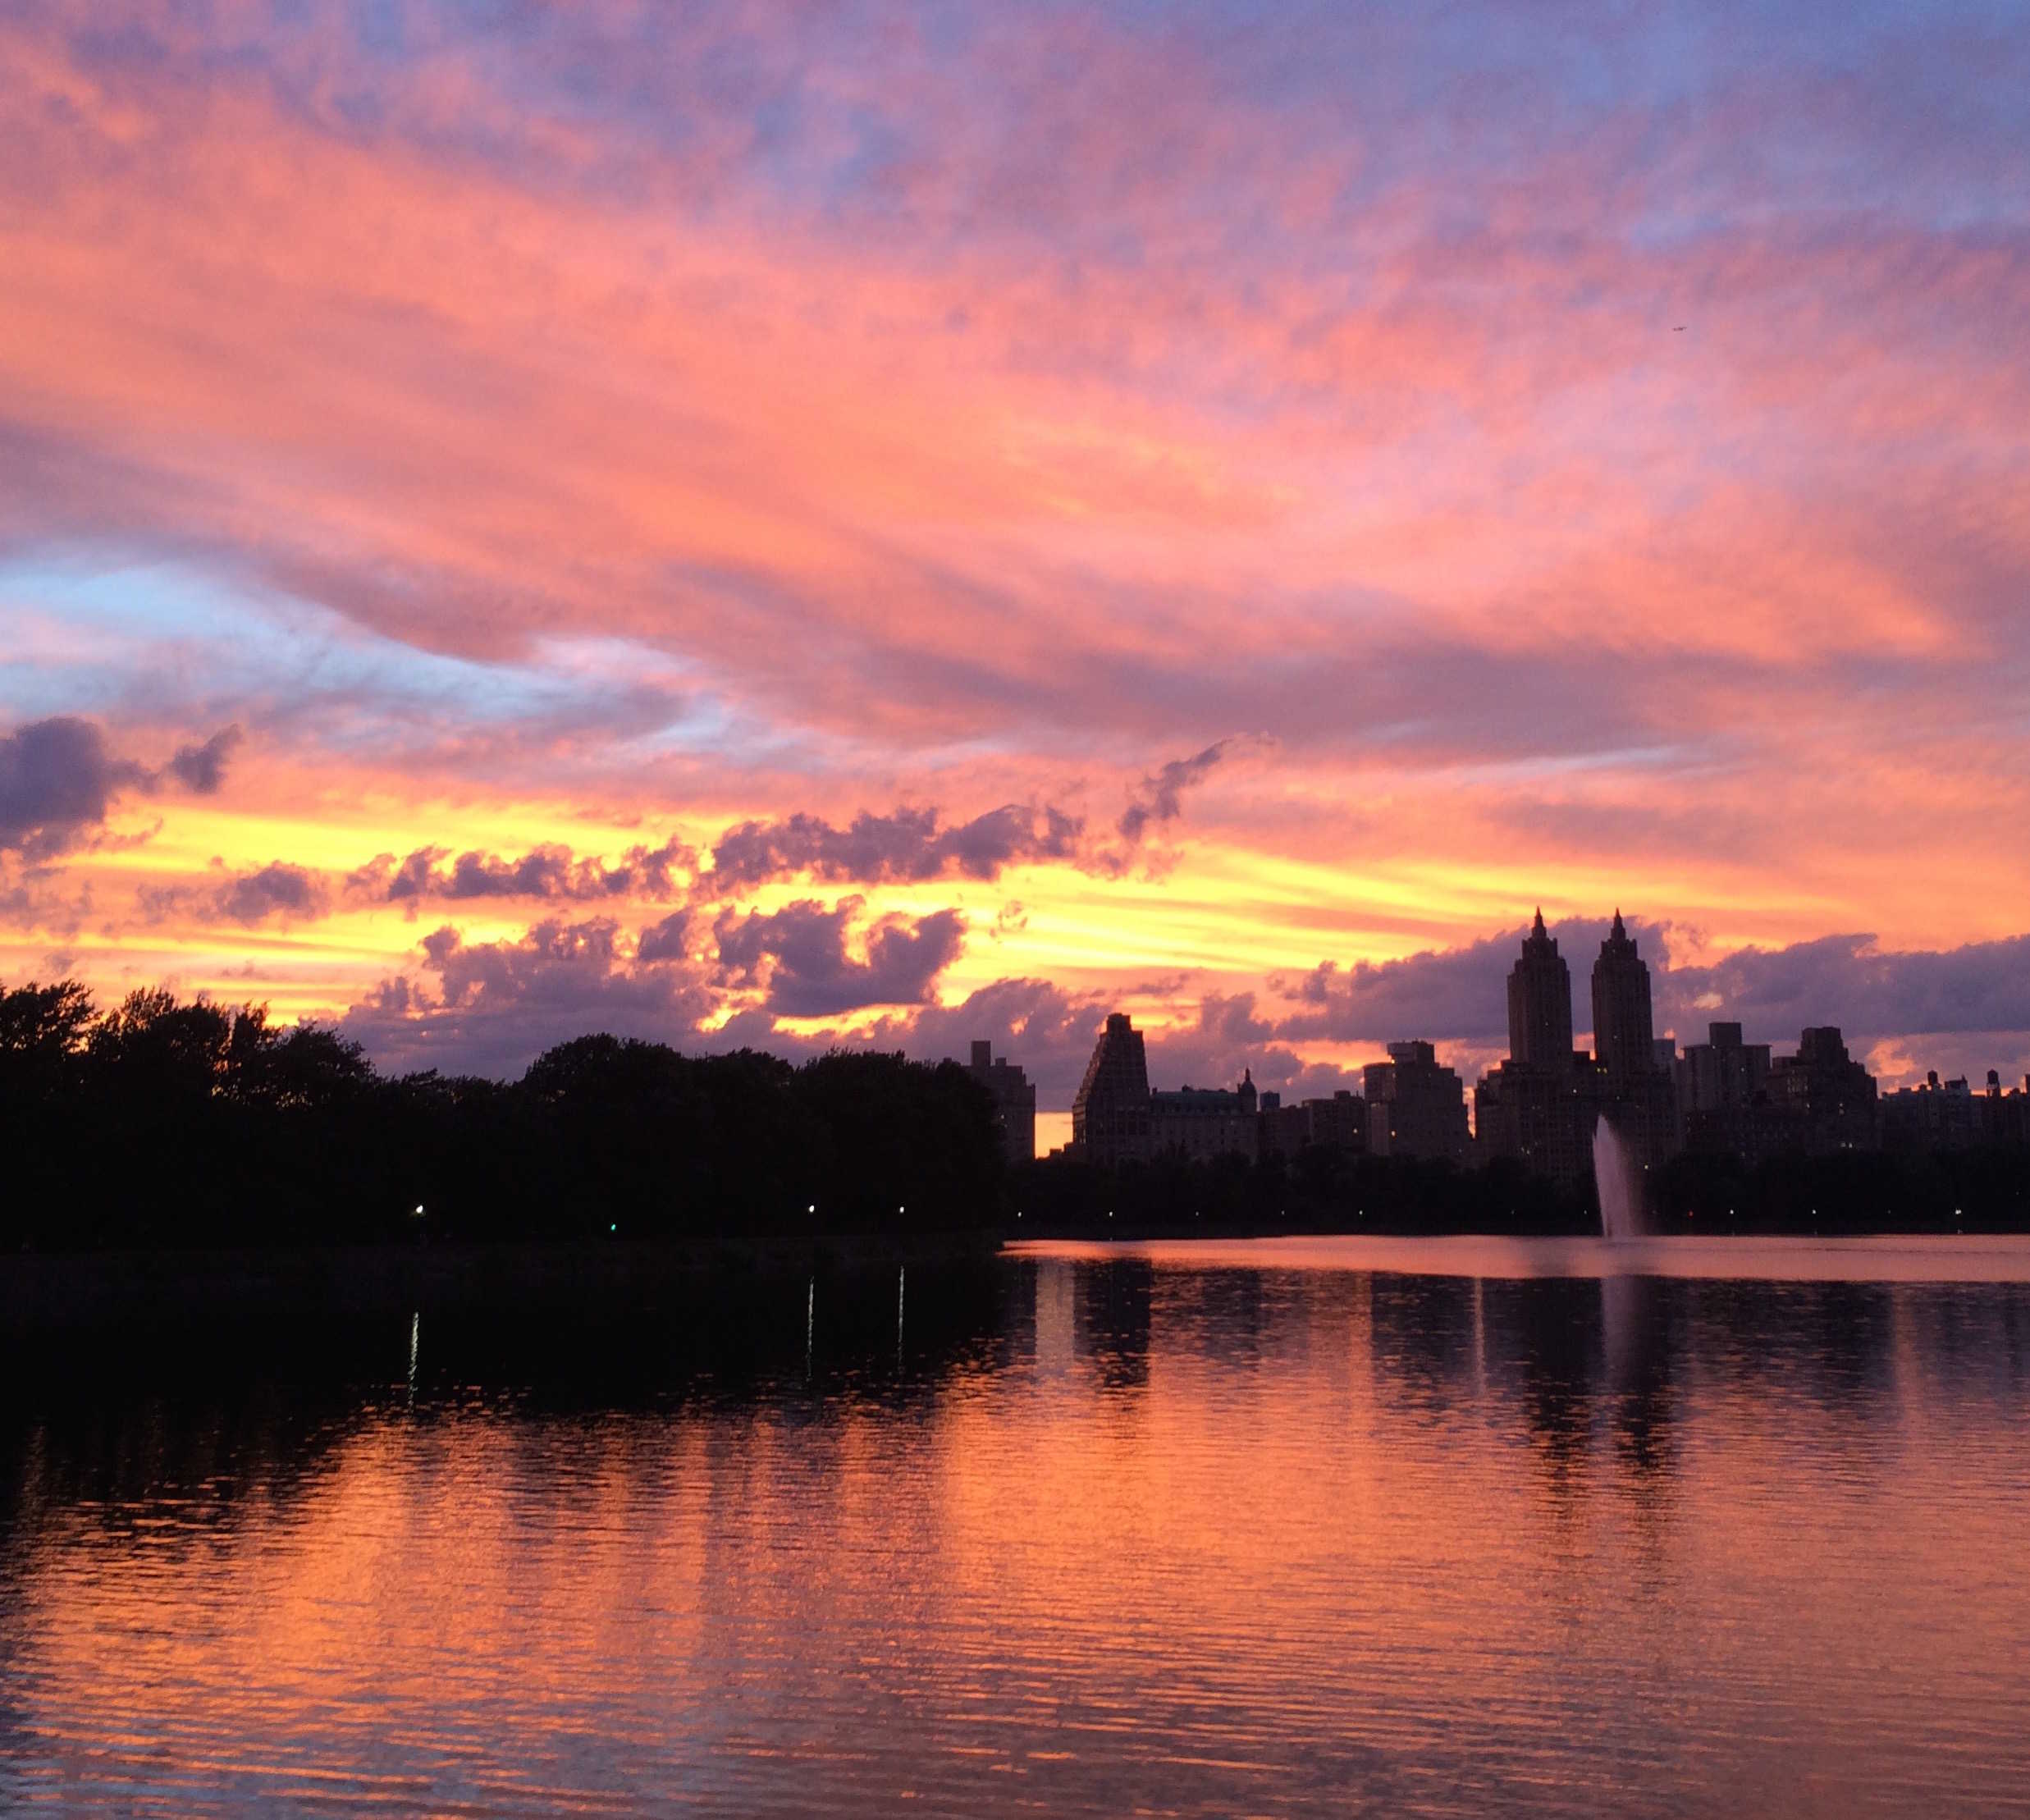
(165,1121)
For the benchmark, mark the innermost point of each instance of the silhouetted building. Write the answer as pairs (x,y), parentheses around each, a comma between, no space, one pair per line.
(1537,1108)
(1723,1095)
(1416,1107)
(1721,1071)
(1828,1097)
(1201,1122)
(1339,1123)
(1937,1116)
(1624,1038)
(1540,1004)
(1280,1130)
(2008,1113)
(1014,1101)
(1950,1115)
(1642,1096)
(1541,1118)
(1110,1114)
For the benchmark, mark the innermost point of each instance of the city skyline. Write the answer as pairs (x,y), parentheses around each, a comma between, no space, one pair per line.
(1541,1108)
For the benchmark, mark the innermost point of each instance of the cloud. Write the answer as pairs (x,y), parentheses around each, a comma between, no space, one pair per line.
(1459,995)
(548,871)
(1161,797)
(1456,994)
(492,1008)
(59,780)
(801,953)
(1852,981)
(905,845)
(277,892)
(667,940)
(740,409)
(289,892)
(201,769)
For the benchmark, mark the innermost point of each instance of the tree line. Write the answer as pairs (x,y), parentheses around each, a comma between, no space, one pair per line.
(165,1122)
(1321,1190)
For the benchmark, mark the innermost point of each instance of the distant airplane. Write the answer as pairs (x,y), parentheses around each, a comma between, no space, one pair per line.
(1679,330)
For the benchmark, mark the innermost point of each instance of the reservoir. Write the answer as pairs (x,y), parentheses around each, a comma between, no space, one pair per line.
(1321,1526)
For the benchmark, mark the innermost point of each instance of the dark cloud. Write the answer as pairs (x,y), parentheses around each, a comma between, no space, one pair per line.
(801,952)
(492,1008)
(201,769)
(906,845)
(59,780)
(1454,992)
(1231,1038)
(1161,797)
(277,889)
(1459,995)
(549,871)
(1849,980)
(667,940)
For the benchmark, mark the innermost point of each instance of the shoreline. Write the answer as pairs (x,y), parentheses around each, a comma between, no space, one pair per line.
(40,1288)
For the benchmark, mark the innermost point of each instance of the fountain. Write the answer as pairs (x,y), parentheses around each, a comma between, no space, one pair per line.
(1620,1180)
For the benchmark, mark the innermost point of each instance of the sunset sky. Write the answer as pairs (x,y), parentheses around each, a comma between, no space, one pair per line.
(772,524)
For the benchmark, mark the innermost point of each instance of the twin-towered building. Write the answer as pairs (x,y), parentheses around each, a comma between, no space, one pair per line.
(1541,1108)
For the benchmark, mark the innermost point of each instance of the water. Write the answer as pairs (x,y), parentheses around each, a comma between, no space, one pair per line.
(1320,1527)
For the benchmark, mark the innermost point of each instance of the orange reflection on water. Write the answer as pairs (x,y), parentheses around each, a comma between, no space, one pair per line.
(1114,1531)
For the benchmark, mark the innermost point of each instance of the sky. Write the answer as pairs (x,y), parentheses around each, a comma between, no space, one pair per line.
(785,524)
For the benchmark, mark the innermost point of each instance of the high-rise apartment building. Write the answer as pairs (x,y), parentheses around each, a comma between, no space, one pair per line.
(1540,1004)
(1828,1096)
(1416,1106)
(1624,1037)
(1014,1101)
(1110,1113)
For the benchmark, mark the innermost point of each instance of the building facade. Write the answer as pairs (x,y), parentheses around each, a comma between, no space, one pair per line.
(1641,1093)
(1826,1098)
(1339,1123)
(1110,1112)
(1416,1106)
(1540,1004)
(1723,1095)
(1199,1123)
(1014,1101)
(1624,1035)
(1543,1118)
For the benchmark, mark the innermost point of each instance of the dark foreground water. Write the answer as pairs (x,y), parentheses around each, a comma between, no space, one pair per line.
(1326,1527)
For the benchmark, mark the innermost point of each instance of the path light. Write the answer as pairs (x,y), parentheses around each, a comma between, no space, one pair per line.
(811,1209)
(417,1215)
